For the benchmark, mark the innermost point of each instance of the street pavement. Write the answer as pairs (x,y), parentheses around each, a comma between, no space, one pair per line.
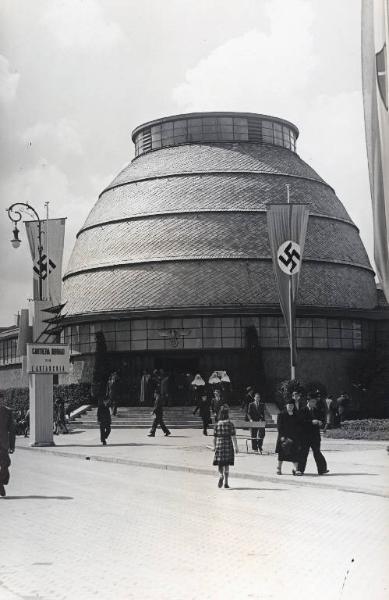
(143,519)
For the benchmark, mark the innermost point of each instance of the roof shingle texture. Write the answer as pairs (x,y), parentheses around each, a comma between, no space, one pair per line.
(186,227)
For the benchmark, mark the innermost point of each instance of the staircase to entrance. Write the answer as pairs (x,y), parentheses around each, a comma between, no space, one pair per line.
(176,417)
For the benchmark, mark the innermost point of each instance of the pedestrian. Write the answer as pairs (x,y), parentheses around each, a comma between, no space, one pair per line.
(217,403)
(145,388)
(248,399)
(343,405)
(7,442)
(113,391)
(256,412)
(165,387)
(59,417)
(298,400)
(26,423)
(332,414)
(224,441)
(158,415)
(204,409)
(288,444)
(104,419)
(311,420)
(19,419)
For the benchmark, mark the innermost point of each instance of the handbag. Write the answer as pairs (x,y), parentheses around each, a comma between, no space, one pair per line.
(287,446)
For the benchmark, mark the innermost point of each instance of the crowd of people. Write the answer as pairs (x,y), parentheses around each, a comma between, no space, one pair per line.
(299,432)
(299,425)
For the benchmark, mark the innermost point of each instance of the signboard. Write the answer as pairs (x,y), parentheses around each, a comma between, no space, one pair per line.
(48,359)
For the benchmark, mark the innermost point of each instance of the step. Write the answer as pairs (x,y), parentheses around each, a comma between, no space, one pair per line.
(141,417)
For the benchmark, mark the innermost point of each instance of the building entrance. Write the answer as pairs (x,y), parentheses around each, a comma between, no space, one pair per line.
(179,371)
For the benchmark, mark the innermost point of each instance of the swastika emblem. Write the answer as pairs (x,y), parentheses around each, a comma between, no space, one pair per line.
(289,257)
(41,266)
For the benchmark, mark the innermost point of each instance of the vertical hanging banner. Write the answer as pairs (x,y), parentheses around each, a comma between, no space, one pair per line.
(287,226)
(50,267)
(375,59)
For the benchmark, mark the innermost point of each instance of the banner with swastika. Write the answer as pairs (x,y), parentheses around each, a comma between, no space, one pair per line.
(287,226)
(49,268)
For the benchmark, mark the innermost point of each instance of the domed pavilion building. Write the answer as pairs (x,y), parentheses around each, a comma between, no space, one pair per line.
(173,264)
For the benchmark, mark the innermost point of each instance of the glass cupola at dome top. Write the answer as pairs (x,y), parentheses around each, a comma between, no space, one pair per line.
(208,128)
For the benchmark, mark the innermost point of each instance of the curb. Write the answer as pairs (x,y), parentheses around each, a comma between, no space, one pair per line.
(199,471)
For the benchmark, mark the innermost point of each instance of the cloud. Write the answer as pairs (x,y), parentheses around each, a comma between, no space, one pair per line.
(278,71)
(256,71)
(333,142)
(81,25)
(8,81)
(62,136)
(44,182)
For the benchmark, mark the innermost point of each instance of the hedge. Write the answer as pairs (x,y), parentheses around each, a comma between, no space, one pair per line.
(76,394)
(362,429)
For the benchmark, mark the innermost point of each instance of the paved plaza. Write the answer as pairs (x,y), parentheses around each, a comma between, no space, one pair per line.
(143,518)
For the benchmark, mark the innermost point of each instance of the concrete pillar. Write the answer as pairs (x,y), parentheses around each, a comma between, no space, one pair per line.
(41,391)
(41,410)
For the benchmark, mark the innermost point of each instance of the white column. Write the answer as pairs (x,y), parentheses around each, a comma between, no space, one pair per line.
(40,391)
(41,410)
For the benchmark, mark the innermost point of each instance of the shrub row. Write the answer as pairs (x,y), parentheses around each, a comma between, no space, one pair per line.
(363,429)
(75,394)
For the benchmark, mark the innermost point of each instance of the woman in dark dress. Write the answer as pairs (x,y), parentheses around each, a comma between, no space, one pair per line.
(288,441)
(224,441)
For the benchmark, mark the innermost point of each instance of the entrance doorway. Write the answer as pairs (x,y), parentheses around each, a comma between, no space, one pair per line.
(181,370)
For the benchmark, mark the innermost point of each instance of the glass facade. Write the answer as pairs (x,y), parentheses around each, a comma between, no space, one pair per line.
(203,333)
(8,347)
(214,129)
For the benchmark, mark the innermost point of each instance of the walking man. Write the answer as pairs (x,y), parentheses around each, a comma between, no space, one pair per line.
(113,386)
(256,412)
(104,418)
(7,442)
(248,399)
(311,420)
(158,418)
(204,408)
(343,404)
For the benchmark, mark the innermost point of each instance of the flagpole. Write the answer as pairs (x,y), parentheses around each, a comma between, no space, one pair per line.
(47,253)
(291,317)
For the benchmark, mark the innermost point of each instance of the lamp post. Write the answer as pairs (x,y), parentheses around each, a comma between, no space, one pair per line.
(15,216)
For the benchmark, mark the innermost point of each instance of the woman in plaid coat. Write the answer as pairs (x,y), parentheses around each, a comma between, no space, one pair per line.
(224,441)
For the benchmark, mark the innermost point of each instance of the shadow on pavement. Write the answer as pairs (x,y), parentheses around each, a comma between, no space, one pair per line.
(39,498)
(339,474)
(259,489)
(110,445)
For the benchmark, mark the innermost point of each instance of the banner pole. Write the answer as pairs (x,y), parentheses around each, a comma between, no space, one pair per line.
(47,253)
(291,312)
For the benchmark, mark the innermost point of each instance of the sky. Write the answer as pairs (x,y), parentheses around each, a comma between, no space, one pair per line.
(77,76)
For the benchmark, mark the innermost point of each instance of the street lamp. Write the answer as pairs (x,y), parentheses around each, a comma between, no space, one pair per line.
(15,216)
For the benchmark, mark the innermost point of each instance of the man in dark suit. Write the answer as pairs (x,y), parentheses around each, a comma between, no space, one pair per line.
(104,419)
(158,412)
(311,420)
(249,397)
(204,408)
(256,412)
(7,442)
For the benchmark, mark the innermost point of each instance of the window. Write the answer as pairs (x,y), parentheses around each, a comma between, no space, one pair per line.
(241,129)
(214,129)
